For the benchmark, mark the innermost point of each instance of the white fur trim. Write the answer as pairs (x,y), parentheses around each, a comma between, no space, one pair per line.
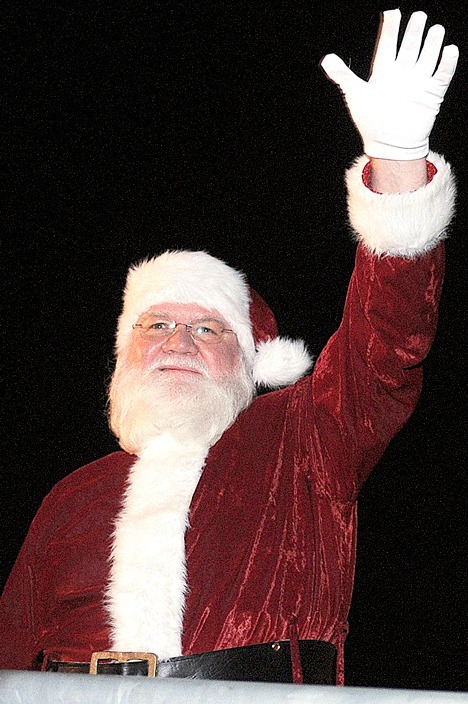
(401,224)
(281,362)
(188,277)
(146,592)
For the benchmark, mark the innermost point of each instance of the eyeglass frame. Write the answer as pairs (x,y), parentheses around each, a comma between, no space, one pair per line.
(188,326)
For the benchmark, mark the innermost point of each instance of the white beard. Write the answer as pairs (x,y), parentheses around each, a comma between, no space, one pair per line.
(193,408)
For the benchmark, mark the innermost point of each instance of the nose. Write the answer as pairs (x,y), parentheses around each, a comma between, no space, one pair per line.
(180,341)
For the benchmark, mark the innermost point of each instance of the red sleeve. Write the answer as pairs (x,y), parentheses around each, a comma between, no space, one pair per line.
(17,627)
(368,378)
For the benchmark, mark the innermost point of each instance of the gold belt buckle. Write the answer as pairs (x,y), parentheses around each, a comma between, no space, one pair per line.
(119,656)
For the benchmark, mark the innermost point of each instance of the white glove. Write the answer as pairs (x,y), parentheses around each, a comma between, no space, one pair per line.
(394,110)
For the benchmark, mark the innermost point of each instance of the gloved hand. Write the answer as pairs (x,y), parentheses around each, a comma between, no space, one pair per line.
(394,110)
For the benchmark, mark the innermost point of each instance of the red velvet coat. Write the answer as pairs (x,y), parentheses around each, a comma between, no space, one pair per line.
(273,518)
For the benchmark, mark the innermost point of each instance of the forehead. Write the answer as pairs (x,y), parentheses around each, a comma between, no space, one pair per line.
(184,312)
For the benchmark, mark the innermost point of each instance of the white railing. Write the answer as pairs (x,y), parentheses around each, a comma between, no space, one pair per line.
(54,688)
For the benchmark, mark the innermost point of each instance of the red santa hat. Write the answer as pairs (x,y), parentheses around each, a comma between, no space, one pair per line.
(199,278)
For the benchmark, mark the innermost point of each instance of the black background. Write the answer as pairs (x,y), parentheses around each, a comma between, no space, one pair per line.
(136,127)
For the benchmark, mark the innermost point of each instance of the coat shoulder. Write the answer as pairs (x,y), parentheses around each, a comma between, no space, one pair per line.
(101,471)
(99,482)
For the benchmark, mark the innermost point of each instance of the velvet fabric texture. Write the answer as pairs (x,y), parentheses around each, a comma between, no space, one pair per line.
(272,538)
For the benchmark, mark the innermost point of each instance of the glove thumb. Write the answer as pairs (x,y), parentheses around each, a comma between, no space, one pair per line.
(337,71)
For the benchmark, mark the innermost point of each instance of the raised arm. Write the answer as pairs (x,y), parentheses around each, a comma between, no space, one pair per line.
(394,110)
(368,379)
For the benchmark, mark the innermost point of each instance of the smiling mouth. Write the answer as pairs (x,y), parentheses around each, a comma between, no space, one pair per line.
(180,369)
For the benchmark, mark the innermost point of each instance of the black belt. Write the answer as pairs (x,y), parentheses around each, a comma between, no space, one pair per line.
(267,662)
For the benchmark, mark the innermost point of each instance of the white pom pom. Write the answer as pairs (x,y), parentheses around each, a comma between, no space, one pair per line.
(280,362)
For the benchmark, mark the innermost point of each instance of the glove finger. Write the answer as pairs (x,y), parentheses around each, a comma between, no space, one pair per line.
(447,66)
(431,50)
(338,72)
(412,39)
(386,46)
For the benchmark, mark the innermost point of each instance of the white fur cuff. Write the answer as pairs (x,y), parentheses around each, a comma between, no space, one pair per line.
(401,224)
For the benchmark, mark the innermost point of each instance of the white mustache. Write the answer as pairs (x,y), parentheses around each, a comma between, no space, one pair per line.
(170,360)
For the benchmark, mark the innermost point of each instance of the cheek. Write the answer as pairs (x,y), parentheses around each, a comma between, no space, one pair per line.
(141,353)
(223,361)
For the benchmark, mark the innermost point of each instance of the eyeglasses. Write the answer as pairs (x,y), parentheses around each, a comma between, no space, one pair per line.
(209,331)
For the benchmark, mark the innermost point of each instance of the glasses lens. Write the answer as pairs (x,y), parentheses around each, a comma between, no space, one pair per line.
(157,327)
(208,331)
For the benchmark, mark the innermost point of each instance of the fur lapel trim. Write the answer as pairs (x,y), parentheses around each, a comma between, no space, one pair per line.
(146,592)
